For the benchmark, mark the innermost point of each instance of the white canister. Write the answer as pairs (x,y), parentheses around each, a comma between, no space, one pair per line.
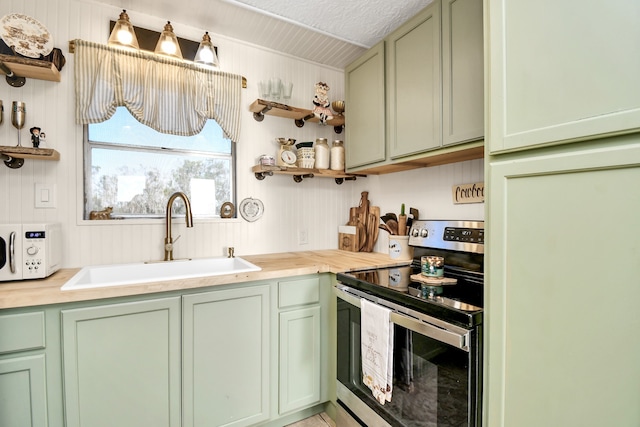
(322,153)
(337,156)
(399,248)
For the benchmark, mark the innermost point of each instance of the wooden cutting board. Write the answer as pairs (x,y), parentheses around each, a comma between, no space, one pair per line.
(366,218)
(349,238)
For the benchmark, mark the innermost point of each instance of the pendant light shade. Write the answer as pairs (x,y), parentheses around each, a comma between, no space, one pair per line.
(123,33)
(206,53)
(168,43)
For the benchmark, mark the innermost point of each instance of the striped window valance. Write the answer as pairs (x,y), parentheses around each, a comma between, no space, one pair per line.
(165,94)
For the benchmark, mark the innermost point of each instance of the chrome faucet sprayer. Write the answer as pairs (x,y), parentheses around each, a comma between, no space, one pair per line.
(168,240)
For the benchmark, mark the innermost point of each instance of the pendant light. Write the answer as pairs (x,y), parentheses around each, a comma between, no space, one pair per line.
(168,43)
(123,33)
(206,54)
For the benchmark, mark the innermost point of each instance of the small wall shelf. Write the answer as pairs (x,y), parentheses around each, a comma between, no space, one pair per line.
(26,67)
(300,173)
(261,107)
(18,154)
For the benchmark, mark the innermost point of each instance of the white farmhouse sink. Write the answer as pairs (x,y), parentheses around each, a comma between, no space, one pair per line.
(129,274)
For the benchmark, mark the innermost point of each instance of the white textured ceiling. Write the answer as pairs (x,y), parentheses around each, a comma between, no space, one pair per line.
(361,22)
(330,32)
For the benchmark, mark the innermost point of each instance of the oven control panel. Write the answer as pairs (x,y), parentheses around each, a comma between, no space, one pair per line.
(471,235)
(467,236)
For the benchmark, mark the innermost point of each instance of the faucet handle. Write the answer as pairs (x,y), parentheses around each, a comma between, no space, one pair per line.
(230,252)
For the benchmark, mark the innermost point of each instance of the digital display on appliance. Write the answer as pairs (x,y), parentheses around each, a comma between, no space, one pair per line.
(471,235)
(34,235)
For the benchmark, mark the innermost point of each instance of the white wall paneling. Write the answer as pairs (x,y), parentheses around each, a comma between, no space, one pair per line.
(315,205)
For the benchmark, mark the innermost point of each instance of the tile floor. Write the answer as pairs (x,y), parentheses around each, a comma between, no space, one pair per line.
(319,420)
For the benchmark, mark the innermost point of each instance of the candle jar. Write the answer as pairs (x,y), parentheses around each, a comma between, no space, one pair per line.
(432,266)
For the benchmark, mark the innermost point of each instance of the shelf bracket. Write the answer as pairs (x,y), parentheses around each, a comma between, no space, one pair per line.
(300,122)
(259,115)
(299,178)
(262,175)
(12,162)
(11,78)
(339,181)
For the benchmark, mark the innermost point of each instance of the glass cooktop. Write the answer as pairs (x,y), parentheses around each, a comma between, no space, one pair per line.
(459,303)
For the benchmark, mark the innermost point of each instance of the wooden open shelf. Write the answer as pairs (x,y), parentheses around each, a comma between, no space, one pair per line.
(261,107)
(300,173)
(32,68)
(30,153)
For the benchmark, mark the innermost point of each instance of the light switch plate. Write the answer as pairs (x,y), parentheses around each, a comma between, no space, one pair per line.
(45,196)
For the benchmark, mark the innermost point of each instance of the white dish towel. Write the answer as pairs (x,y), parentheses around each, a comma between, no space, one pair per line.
(376,338)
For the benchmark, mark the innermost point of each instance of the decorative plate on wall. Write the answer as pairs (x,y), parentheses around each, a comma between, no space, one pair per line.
(251,209)
(26,35)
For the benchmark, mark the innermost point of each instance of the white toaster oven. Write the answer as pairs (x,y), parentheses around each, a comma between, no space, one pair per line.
(29,251)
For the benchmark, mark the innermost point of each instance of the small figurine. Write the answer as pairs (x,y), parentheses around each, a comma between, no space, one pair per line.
(35,136)
(101,215)
(321,102)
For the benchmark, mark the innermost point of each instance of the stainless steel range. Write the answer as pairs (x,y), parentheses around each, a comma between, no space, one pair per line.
(437,348)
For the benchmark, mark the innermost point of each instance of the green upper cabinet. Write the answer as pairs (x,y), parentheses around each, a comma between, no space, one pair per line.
(364,86)
(414,85)
(462,71)
(562,71)
(122,364)
(433,93)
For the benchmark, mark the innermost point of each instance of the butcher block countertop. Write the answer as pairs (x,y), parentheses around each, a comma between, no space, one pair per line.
(47,291)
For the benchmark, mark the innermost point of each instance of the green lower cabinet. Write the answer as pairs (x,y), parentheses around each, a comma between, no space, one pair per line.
(299,359)
(23,395)
(226,357)
(122,364)
(301,365)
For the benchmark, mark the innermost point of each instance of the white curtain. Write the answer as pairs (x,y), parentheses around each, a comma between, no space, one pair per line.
(165,94)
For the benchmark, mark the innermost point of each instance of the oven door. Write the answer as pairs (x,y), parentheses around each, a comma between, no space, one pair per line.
(436,369)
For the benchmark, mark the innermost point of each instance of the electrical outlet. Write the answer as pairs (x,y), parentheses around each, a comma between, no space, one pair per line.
(303,237)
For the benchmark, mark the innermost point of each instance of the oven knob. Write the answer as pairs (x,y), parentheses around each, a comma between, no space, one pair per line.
(415,232)
(32,250)
(424,232)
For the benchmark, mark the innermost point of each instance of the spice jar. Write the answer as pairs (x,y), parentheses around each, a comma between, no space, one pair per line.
(337,155)
(322,153)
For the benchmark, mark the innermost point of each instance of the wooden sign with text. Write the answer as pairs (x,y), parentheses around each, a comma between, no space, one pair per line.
(468,193)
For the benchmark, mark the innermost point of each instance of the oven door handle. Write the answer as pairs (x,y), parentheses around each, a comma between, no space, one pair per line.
(453,338)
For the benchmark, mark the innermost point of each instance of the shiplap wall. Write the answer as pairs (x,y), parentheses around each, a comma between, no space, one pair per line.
(316,206)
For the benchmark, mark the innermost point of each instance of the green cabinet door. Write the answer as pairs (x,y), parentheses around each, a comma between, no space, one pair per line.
(122,364)
(23,395)
(299,358)
(365,101)
(561,71)
(414,82)
(462,71)
(226,357)
(561,296)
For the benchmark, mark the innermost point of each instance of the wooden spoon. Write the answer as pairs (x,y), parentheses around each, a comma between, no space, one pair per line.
(393,226)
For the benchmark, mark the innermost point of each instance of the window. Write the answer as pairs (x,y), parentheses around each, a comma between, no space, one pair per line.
(135,169)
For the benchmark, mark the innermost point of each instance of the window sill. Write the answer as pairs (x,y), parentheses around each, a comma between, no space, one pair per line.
(154,221)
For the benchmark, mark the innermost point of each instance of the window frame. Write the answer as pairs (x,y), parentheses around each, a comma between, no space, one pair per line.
(86,168)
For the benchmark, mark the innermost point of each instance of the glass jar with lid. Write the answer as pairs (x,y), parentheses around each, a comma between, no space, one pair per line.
(322,153)
(337,155)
